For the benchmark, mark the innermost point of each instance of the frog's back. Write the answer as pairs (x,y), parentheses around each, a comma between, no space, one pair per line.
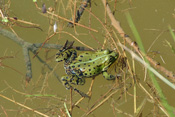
(88,63)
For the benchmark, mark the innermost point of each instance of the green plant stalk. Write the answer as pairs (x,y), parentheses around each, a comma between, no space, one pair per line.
(171,31)
(139,42)
(67,111)
(172,48)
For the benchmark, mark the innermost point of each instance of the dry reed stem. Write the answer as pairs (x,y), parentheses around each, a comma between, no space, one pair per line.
(47,39)
(24,22)
(135,101)
(12,69)
(119,111)
(63,113)
(101,103)
(44,84)
(6,57)
(113,110)
(4,111)
(75,7)
(76,39)
(117,26)
(71,106)
(90,88)
(103,96)
(14,89)
(154,99)
(35,111)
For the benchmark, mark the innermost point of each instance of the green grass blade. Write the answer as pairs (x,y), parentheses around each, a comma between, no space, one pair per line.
(172,33)
(67,111)
(139,42)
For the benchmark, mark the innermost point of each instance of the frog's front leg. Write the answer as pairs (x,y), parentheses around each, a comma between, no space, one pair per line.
(108,76)
(72,79)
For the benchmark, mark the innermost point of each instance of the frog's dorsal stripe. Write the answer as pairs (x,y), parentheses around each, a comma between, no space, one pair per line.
(93,60)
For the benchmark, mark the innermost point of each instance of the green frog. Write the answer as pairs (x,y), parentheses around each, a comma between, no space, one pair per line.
(85,65)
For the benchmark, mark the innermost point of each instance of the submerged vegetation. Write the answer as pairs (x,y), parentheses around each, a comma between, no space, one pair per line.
(138,89)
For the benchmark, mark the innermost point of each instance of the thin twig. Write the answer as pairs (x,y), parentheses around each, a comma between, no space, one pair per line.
(35,111)
(102,102)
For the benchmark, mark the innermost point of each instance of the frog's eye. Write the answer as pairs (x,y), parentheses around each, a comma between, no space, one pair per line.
(59,57)
(115,55)
(110,58)
(107,58)
(106,52)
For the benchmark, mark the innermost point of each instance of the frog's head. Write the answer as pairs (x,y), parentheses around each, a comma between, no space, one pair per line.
(64,53)
(112,56)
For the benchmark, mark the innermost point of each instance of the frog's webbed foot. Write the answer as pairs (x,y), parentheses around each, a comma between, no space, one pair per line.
(72,79)
(108,76)
(67,80)
(77,81)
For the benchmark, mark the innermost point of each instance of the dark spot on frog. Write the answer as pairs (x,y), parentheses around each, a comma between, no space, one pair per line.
(86,53)
(89,69)
(90,59)
(78,65)
(74,53)
(67,53)
(73,66)
(84,63)
(93,62)
(77,81)
(89,65)
(80,60)
(85,74)
(81,56)
(90,73)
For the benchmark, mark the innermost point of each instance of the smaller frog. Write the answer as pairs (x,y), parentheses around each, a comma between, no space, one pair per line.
(85,65)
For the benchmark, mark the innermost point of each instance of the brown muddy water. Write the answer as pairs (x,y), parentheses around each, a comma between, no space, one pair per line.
(45,94)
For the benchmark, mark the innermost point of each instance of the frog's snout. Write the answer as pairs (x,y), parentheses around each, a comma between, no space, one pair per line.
(115,54)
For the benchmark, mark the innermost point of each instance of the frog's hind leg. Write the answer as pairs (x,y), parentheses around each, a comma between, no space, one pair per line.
(67,80)
(108,76)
